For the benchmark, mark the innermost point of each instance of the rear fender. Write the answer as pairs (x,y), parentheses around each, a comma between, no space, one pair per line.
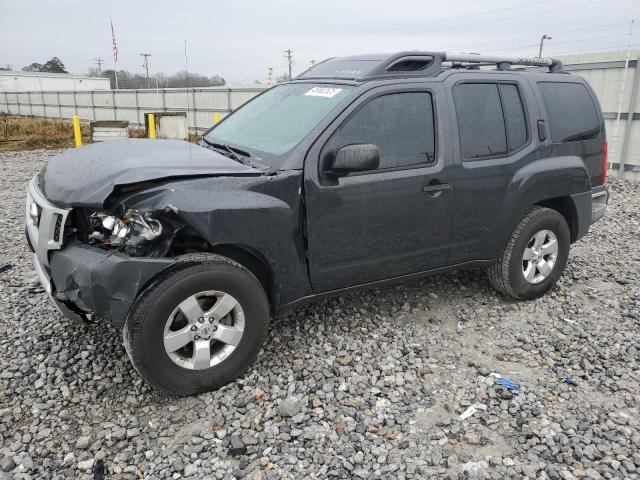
(541,181)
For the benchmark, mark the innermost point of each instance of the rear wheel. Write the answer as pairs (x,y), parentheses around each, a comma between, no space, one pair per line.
(534,257)
(198,326)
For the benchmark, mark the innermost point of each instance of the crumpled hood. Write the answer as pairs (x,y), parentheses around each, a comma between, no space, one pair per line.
(85,177)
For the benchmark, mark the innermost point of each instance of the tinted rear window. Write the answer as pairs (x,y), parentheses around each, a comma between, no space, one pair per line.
(480,120)
(571,111)
(514,119)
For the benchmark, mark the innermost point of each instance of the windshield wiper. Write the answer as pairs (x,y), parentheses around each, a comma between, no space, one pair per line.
(233,152)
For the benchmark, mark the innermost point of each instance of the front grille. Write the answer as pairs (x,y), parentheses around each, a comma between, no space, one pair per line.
(46,229)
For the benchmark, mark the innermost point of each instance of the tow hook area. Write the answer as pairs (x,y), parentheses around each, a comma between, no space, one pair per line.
(75,314)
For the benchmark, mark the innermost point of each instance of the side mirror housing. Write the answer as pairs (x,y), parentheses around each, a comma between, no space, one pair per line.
(355,158)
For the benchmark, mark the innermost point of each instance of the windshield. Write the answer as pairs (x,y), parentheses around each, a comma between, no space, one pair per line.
(278,120)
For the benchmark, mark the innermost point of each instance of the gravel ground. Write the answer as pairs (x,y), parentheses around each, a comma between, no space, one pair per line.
(366,386)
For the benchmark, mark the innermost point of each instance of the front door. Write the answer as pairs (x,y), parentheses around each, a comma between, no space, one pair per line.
(387,222)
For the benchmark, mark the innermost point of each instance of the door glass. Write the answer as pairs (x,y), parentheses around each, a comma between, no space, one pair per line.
(514,116)
(480,120)
(399,124)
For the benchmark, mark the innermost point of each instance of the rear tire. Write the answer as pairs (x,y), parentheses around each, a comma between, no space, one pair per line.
(180,306)
(535,255)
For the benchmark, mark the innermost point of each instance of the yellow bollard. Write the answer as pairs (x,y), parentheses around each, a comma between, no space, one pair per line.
(76,131)
(216,118)
(152,126)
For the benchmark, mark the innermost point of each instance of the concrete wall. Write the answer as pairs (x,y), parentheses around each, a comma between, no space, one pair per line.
(37,81)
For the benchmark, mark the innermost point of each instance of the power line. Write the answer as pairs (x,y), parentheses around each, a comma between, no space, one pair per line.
(99,62)
(609,26)
(458,25)
(145,65)
(288,55)
(562,42)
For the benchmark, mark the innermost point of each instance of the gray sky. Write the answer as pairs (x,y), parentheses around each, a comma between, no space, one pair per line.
(240,40)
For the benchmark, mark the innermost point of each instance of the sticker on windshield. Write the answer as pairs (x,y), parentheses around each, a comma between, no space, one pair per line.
(326,92)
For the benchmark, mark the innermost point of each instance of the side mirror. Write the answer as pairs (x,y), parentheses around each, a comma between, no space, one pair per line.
(355,158)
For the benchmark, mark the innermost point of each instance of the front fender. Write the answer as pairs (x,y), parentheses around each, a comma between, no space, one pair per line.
(257,214)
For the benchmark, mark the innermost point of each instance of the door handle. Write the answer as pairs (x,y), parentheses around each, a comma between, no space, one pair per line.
(542,131)
(437,187)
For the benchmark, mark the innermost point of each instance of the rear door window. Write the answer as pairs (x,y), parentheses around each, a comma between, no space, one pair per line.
(571,111)
(514,118)
(480,120)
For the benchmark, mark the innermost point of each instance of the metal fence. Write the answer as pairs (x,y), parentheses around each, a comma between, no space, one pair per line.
(199,103)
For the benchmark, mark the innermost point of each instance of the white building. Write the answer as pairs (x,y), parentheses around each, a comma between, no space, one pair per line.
(43,81)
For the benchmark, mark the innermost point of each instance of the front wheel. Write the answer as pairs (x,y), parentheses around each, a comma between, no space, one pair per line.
(198,326)
(534,257)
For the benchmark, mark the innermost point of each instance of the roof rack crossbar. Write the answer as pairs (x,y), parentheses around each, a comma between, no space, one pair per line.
(467,59)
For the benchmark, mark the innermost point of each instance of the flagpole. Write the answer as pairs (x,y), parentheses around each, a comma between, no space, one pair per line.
(115,53)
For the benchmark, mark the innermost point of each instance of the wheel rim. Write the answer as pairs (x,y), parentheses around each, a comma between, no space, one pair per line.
(203,330)
(539,256)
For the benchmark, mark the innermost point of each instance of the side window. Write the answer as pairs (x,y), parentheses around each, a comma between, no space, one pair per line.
(491,119)
(400,124)
(480,120)
(514,118)
(571,111)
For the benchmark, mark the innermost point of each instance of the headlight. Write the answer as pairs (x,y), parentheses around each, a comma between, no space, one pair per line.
(132,233)
(34,213)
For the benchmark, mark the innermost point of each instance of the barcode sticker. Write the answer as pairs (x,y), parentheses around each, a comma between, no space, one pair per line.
(327,92)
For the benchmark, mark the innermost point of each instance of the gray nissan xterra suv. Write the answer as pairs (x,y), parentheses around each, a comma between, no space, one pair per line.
(362,170)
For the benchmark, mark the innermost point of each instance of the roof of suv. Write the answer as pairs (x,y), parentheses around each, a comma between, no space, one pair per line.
(363,68)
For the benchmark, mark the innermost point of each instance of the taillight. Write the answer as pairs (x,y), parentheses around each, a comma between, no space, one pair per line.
(605,162)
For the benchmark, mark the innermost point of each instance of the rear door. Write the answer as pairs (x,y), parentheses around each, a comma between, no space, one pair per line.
(387,222)
(493,119)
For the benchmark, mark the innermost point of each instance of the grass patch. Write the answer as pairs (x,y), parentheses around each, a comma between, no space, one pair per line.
(29,133)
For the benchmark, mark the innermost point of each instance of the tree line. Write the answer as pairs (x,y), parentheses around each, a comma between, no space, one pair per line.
(159,80)
(134,80)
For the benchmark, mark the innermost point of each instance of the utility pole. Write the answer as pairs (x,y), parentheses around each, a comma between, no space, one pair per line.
(99,62)
(145,65)
(288,55)
(544,37)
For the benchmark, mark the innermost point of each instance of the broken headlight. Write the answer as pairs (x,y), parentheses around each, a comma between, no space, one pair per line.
(135,233)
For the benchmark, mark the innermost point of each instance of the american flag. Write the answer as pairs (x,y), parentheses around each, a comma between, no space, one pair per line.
(115,45)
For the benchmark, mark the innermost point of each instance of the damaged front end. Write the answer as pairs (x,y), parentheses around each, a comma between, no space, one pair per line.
(102,224)
(133,233)
(94,264)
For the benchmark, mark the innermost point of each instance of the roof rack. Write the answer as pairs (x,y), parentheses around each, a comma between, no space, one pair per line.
(422,64)
(472,60)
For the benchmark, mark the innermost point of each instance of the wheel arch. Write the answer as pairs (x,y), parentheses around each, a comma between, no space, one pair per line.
(566,207)
(252,260)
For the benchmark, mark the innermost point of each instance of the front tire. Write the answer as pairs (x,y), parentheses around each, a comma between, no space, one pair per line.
(198,326)
(535,255)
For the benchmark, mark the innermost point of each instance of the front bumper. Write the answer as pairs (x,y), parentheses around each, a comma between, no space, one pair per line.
(100,282)
(81,279)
